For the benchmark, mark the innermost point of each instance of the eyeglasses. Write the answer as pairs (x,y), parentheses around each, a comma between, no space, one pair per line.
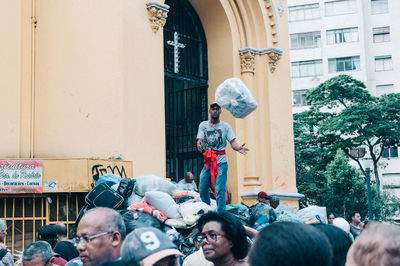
(83,240)
(212,237)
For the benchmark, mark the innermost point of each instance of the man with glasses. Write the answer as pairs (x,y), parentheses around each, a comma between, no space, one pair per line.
(38,253)
(99,236)
(5,255)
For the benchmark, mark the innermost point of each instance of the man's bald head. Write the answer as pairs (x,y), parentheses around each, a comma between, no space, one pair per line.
(99,236)
(107,220)
(189,177)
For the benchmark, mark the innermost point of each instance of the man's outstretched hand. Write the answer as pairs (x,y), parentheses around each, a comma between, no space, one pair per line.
(243,149)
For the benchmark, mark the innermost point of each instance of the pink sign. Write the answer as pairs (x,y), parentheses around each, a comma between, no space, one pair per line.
(21,176)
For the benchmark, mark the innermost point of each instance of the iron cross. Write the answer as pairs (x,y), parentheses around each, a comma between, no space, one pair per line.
(175,43)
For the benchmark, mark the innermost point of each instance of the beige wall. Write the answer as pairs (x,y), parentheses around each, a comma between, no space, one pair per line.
(93,87)
(98,82)
(10,65)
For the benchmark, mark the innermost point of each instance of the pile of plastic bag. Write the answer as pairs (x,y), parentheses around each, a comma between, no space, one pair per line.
(151,200)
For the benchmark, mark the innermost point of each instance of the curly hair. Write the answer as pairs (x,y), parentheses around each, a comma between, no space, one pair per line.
(233,229)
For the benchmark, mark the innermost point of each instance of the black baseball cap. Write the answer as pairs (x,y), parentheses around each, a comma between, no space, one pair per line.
(47,232)
(147,245)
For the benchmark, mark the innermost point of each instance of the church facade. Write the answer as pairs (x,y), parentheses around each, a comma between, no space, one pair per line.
(123,84)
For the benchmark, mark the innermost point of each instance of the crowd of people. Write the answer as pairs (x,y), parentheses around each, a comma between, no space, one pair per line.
(102,238)
(260,235)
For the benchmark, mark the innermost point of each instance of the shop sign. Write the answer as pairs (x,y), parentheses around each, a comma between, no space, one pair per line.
(21,176)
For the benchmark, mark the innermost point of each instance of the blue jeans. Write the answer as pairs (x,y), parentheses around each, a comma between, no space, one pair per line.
(220,185)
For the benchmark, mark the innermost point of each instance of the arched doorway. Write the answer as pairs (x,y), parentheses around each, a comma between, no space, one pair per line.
(186,85)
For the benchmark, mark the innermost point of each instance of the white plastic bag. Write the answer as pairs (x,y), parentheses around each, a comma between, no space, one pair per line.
(309,214)
(190,209)
(164,202)
(234,96)
(134,198)
(147,183)
(179,223)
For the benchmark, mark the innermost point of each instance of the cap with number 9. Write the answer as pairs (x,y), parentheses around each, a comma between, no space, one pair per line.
(147,245)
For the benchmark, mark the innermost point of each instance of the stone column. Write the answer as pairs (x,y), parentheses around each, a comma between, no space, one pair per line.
(251,177)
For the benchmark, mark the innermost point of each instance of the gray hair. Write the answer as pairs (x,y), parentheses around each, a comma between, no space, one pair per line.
(3,225)
(113,221)
(37,249)
(378,244)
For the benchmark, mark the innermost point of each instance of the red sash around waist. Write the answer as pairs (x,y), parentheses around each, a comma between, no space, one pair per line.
(210,161)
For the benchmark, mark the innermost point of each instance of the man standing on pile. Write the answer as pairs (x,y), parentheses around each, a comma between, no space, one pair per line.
(211,141)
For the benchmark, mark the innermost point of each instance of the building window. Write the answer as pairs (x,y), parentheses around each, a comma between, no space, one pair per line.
(384,89)
(342,35)
(24,216)
(306,68)
(381,34)
(340,7)
(305,40)
(379,6)
(299,97)
(390,152)
(383,63)
(343,64)
(304,12)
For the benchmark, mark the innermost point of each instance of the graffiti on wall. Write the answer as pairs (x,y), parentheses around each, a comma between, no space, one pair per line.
(100,169)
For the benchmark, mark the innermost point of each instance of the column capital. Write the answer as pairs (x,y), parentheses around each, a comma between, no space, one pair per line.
(247,61)
(157,14)
(247,58)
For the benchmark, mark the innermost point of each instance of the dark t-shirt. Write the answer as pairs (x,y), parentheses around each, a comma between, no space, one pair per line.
(67,250)
(354,231)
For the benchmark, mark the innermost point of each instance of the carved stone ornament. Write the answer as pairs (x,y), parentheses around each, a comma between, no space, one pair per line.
(157,14)
(247,62)
(272,22)
(273,60)
(281,9)
(247,58)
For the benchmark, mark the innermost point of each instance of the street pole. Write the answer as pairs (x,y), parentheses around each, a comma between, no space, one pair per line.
(368,177)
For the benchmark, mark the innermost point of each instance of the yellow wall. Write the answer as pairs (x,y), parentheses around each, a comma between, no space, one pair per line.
(76,175)
(97,86)
(88,82)
(10,64)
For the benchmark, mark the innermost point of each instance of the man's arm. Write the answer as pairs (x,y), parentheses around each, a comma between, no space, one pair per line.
(200,145)
(239,148)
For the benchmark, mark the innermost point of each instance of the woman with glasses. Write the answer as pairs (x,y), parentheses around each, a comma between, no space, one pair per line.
(223,239)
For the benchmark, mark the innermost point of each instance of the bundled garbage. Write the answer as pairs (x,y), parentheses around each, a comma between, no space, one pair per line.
(234,96)
(154,201)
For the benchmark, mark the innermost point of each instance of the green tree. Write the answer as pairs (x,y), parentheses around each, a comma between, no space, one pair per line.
(344,115)
(347,191)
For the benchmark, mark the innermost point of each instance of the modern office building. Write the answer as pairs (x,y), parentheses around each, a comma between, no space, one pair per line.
(355,37)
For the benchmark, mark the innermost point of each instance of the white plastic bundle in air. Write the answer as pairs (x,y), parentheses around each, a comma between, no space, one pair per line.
(234,96)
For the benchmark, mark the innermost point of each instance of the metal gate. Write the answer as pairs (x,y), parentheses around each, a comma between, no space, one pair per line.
(186,85)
